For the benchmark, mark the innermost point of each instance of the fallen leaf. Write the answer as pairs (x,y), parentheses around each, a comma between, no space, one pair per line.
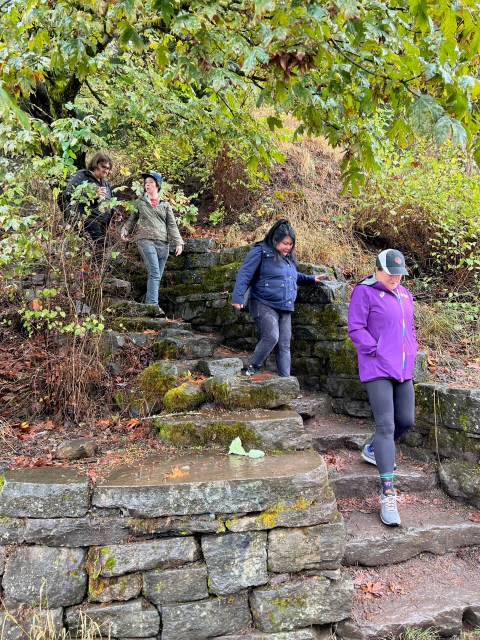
(176,473)
(36,304)
(396,588)
(132,423)
(375,589)
(93,474)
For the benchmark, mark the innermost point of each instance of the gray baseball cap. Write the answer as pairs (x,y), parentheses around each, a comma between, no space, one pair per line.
(392,262)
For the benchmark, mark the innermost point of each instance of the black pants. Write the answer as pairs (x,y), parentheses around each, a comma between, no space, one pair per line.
(95,231)
(393,408)
(275,329)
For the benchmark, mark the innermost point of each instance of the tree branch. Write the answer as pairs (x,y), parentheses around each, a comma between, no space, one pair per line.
(95,94)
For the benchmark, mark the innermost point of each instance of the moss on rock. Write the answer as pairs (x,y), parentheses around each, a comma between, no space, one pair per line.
(248,397)
(186,397)
(215,433)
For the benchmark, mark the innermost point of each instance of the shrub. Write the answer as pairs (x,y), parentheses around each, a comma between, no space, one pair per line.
(428,205)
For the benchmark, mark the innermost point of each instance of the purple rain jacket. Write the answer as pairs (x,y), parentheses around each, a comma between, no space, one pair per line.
(380,325)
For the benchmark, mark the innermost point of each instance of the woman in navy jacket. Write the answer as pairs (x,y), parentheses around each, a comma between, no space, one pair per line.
(270,270)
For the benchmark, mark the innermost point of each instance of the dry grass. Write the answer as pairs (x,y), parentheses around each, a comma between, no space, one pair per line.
(306,191)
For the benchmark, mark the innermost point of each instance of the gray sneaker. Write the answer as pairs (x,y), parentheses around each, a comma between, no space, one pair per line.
(388,510)
(368,454)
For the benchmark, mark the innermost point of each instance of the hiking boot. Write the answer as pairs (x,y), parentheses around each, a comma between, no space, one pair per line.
(388,510)
(252,371)
(368,454)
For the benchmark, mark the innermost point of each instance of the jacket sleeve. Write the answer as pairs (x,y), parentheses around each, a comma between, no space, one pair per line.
(173,233)
(414,332)
(358,311)
(132,220)
(245,274)
(302,278)
(64,198)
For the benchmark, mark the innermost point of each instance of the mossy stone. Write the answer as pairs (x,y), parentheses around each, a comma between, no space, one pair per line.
(186,397)
(213,434)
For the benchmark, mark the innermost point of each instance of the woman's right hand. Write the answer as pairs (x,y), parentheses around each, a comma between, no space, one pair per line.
(237,306)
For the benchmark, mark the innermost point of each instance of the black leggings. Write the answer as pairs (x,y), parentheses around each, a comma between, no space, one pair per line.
(393,408)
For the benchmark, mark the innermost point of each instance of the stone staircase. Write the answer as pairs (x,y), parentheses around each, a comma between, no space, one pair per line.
(423,574)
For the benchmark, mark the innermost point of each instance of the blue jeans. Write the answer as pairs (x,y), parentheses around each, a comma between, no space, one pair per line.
(154,254)
(275,329)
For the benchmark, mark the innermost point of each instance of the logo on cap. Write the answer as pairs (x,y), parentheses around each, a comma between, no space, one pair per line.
(398,260)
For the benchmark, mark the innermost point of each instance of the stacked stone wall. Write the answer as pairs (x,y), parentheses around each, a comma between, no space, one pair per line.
(260,552)
(197,286)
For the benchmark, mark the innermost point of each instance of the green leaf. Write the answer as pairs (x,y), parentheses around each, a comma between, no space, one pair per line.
(256,453)
(130,37)
(236,447)
(424,112)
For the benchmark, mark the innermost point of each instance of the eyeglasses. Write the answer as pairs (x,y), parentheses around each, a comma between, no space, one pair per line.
(107,167)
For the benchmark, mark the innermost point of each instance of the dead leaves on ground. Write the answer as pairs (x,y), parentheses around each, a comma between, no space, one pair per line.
(175,473)
(369,588)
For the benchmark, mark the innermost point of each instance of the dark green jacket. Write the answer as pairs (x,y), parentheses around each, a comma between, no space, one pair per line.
(153,223)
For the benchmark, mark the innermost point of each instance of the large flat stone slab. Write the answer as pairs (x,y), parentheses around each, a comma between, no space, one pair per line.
(215,483)
(351,476)
(302,514)
(25,622)
(49,577)
(263,391)
(170,586)
(47,492)
(293,550)
(271,430)
(429,592)
(235,561)
(430,523)
(163,553)
(338,431)
(311,633)
(206,619)
(134,619)
(76,532)
(295,604)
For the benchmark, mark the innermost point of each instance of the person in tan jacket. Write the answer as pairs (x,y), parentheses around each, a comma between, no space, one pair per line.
(154,227)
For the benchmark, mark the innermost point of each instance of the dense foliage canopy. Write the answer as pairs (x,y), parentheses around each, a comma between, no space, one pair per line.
(72,73)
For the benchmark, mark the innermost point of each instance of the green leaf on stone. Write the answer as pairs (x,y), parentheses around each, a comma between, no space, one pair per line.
(236,447)
(256,453)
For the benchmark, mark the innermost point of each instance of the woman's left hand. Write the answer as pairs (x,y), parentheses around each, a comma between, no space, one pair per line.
(178,249)
(320,276)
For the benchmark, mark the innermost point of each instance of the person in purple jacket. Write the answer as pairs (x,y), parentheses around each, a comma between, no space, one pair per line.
(270,269)
(380,325)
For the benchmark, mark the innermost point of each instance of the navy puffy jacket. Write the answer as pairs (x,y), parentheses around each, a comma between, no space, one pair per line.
(275,279)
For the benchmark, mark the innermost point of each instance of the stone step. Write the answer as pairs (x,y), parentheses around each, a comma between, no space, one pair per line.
(212,482)
(175,343)
(264,391)
(337,431)
(312,405)
(137,325)
(270,430)
(431,523)
(350,476)
(427,592)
